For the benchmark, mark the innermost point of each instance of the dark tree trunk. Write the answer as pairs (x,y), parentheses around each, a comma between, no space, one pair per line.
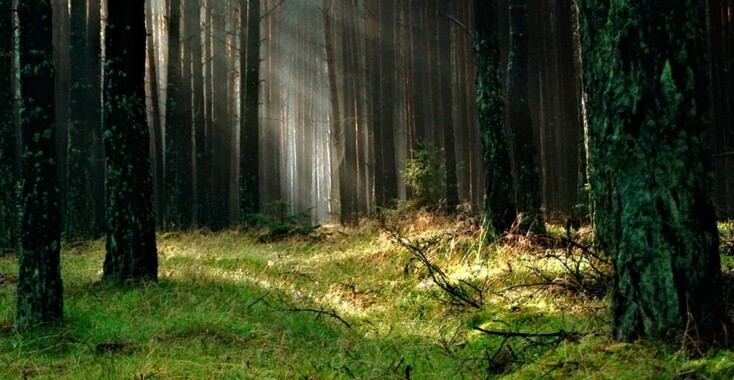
(444,88)
(523,151)
(420,68)
(8,199)
(40,291)
(559,127)
(93,99)
(154,117)
(249,143)
(62,73)
(722,136)
(499,203)
(131,247)
(386,187)
(649,112)
(178,197)
(221,131)
(201,154)
(84,207)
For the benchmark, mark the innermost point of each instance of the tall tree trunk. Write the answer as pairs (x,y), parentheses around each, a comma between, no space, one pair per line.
(154,118)
(649,111)
(178,198)
(62,73)
(337,137)
(249,141)
(81,202)
(559,123)
(221,131)
(444,88)
(131,247)
(8,199)
(523,150)
(39,288)
(499,205)
(386,187)
(201,154)
(722,136)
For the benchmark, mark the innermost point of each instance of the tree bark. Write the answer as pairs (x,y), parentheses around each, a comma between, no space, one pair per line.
(649,111)
(178,197)
(444,88)
(39,288)
(499,204)
(131,247)
(521,143)
(8,198)
(249,141)
(722,136)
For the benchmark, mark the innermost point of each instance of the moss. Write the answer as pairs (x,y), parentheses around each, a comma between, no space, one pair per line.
(650,174)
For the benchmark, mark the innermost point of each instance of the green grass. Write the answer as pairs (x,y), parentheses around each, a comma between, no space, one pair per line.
(227,306)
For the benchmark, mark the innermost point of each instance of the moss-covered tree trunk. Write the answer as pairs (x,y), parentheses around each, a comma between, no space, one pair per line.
(499,204)
(131,248)
(8,199)
(521,139)
(40,291)
(649,111)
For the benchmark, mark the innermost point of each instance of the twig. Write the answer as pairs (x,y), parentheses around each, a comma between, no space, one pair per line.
(511,334)
(257,301)
(331,313)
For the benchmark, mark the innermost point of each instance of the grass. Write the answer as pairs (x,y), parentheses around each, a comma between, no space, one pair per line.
(349,303)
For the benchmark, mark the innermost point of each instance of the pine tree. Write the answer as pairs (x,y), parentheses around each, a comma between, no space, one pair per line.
(8,198)
(40,290)
(499,204)
(649,110)
(131,247)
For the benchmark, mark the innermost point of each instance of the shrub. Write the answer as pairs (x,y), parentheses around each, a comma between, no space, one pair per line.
(425,174)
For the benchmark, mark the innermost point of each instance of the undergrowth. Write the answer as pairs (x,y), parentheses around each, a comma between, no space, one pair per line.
(354,303)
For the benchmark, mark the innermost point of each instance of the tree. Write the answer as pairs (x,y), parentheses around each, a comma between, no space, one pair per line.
(722,136)
(85,172)
(521,139)
(444,13)
(499,204)
(131,247)
(649,111)
(178,198)
(40,291)
(249,143)
(8,198)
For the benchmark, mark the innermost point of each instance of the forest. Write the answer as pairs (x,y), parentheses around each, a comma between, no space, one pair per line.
(366,189)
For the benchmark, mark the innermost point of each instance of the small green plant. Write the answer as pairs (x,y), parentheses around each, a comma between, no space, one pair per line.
(280,221)
(425,173)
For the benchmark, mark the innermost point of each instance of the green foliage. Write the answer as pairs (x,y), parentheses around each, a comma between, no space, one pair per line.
(280,221)
(425,174)
(227,306)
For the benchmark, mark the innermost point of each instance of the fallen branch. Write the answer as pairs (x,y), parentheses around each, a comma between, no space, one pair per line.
(331,313)
(564,335)
(258,300)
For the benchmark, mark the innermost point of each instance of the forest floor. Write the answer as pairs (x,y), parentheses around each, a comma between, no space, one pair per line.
(346,303)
